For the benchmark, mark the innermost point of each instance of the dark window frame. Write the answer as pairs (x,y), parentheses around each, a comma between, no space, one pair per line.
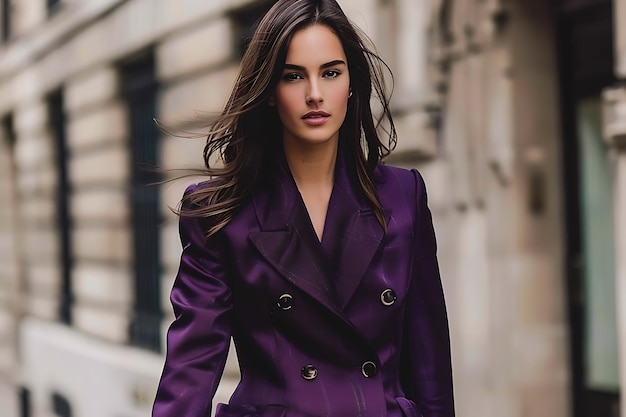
(61,405)
(8,127)
(586,61)
(139,89)
(58,128)
(53,6)
(5,25)
(24,401)
(245,20)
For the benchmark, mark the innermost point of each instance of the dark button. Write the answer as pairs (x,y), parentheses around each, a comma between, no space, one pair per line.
(285,301)
(309,372)
(368,369)
(388,297)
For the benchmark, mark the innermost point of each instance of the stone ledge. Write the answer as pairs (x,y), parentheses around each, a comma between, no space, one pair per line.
(94,283)
(40,244)
(38,210)
(416,138)
(22,51)
(102,243)
(197,97)
(107,323)
(191,51)
(37,181)
(31,118)
(132,26)
(98,86)
(43,307)
(35,150)
(182,153)
(110,165)
(106,124)
(43,278)
(98,377)
(100,204)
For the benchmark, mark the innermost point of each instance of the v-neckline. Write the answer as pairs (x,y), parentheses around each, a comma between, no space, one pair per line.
(321,242)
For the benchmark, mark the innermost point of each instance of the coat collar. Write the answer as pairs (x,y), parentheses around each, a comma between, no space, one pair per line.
(287,240)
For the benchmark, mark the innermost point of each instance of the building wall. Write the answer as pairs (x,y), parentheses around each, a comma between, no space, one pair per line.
(77,50)
(476,109)
(495,66)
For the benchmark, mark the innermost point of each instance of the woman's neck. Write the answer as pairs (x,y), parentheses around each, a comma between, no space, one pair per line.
(312,166)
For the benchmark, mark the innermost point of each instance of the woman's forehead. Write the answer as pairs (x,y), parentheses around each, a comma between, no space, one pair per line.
(314,46)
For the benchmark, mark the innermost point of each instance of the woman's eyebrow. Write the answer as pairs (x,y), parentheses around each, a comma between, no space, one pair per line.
(326,65)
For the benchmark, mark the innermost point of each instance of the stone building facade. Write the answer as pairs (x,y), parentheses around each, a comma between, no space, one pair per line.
(511,109)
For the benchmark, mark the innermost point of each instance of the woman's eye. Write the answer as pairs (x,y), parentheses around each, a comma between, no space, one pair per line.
(332,74)
(292,77)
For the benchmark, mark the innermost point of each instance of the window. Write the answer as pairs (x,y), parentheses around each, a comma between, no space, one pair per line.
(139,88)
(24,402)
(245,21)
(58,131)
(5,11)
(61,406)
(53,6)
(8,130)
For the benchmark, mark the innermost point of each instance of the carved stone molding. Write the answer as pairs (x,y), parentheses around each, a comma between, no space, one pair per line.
(614,115)
(450,37)
(448,43)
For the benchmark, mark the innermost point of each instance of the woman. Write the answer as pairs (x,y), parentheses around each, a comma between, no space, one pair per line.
(317,260)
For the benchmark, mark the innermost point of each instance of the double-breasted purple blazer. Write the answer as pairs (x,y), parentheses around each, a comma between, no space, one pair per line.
(354,325)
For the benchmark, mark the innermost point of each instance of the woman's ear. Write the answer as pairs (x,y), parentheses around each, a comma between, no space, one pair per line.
(271,101)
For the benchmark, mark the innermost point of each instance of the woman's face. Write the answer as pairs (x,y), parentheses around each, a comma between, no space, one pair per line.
(312,94)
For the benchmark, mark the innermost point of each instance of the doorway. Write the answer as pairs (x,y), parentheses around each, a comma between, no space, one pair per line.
(585,40)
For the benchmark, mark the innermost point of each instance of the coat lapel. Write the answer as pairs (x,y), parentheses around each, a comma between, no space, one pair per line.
(360,235)
(288,243)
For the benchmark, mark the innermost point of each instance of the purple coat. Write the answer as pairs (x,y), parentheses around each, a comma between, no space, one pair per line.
(351,326)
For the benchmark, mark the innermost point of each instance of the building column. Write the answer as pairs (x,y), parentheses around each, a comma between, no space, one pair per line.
(9,285)
(411,60)
(615,134)
(403,45)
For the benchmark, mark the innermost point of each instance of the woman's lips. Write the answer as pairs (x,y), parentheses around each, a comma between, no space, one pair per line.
(315,118)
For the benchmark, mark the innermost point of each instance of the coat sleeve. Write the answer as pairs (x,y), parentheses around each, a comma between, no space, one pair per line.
(426,363)
(199,337)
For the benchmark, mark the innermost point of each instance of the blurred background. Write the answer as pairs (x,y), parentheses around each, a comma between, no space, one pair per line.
(513,110)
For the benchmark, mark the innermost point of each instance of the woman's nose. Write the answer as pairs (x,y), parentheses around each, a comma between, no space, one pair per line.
(314,93)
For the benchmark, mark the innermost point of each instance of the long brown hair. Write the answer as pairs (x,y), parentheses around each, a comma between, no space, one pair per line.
(248,131)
